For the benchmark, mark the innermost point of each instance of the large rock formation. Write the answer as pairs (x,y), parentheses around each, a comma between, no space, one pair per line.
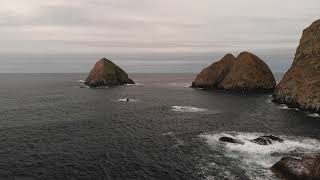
(106,73)
(212,76)
(246,73)
(307,168)
(300,86)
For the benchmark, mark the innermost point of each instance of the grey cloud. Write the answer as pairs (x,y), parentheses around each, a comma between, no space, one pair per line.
(145,24)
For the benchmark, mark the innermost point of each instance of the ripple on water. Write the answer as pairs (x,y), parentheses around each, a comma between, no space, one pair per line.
(255,160)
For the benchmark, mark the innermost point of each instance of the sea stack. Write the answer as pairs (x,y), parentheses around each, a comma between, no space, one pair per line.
(106,73)
(300,86)
(246,73)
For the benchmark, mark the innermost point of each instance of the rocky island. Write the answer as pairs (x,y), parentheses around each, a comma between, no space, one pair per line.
(245,73)
(300,86)
(106,73)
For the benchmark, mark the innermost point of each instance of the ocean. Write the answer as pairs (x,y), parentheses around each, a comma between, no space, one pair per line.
(50,128)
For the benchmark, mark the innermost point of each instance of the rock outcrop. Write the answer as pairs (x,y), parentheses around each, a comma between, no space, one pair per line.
(245,73)
(230,140)
(307,168)
(212,76)
(267,140)
(106,73)
(300,86)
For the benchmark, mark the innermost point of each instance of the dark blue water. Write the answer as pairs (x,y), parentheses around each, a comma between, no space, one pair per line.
(52,129)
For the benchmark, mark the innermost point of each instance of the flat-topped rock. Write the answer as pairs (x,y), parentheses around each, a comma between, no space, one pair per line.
(300,86)
(245,73)
(106,73)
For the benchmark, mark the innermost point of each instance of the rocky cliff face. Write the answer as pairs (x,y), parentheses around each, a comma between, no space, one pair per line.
(300,86)
(245,73)
(106,73)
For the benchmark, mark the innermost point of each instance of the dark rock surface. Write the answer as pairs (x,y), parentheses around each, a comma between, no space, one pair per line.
(289,168)
(267,140)
(106,73)
(245,73)
(230,140)
(300,86)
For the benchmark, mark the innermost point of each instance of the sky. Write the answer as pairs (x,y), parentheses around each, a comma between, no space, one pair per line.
(152,26)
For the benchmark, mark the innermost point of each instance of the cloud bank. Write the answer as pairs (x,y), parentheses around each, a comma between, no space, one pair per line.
(146,26)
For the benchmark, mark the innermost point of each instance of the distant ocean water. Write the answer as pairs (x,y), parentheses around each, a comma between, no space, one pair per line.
(279,60)
(50,128)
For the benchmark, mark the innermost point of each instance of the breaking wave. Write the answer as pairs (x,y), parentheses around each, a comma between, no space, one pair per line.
(256,159)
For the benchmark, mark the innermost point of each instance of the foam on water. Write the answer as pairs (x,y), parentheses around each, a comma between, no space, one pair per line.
(187,109)
(315,115)
(136,84)
(179,84)
(256,159)
(283,106)
(127,100)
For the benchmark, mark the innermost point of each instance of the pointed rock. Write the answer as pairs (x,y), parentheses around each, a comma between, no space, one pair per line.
(106,73)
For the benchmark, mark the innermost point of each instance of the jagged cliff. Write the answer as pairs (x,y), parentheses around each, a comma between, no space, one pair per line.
(300,86)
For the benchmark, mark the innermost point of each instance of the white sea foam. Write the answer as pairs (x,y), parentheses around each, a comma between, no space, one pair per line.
(187,109)
(127,100)
(167,134)
(316,115)
(257,159)
(283,106)
(136,84)
(81,81)
(179,84)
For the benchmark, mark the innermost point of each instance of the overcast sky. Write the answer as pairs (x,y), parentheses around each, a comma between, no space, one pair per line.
(97,26)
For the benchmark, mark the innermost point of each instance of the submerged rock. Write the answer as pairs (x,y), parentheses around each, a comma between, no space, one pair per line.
(300,86)
(267,140)
(307,168)
(245,73)
(106,73)
(230,140)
